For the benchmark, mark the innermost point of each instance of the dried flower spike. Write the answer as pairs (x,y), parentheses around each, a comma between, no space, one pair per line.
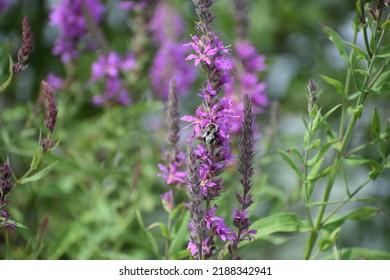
(26,49)
(247,153)
(50,106)
(6,183)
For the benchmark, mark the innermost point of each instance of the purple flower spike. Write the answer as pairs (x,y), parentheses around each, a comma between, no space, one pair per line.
(211,129)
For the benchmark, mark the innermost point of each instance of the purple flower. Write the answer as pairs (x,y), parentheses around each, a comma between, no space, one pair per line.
(171,174)
(169,64)
(8,226)
(204,54)
(54,81)
(194,248)
(108,68)
(69,17)
(132,5)
(167,27)
(4,5)
(247,65)
(166,24)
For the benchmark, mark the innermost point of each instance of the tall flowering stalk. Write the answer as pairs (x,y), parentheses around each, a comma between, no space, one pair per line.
(247,153)
(211,129)
(172,168)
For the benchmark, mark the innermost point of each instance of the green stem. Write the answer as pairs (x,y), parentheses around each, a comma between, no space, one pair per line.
(307,195)
(347,199)
(347,88)
(367,44)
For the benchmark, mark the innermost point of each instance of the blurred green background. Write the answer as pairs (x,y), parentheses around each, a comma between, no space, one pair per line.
(107,157)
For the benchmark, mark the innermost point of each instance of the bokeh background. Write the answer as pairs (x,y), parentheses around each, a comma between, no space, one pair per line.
(107,157)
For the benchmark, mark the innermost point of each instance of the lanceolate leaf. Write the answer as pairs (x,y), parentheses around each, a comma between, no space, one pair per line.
(361,254)
(4,85)
(335,83)
(360,214)
(39,174)
(376,124)
(337,41)
(292,164)
(283,222)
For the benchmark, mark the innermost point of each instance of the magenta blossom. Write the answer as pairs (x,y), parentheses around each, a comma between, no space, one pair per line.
(69,17)
(108,69)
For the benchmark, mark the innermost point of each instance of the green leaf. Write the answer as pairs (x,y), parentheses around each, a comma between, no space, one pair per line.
(386,25)
(360,53)
(290,162)
(320,154)
(39,174)
(383,81)
(335,83)
(282,222)
(151,241)
(36,160)
(4,85)
(376,124)
(361,254)
(180,236)
(315,145)
(162,226)
(296,154)
(360,214)
(363,73)
(384,52)
(181,255)
(355,111)
(364,213)
(326,116)
(337,41)
(354,160)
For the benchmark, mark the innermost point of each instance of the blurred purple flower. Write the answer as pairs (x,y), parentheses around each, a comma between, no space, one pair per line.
(132,5)
(169,64)
(167,27)
(108,68)
(247,65)
(166,24)
(194,248)
(54,81)
(8,226)
(172,173)
(4,5)
(69,17)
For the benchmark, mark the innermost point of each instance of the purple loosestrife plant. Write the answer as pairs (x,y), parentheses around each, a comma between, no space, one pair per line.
(247,153)
(211,128)
(70,17)
(168,27)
